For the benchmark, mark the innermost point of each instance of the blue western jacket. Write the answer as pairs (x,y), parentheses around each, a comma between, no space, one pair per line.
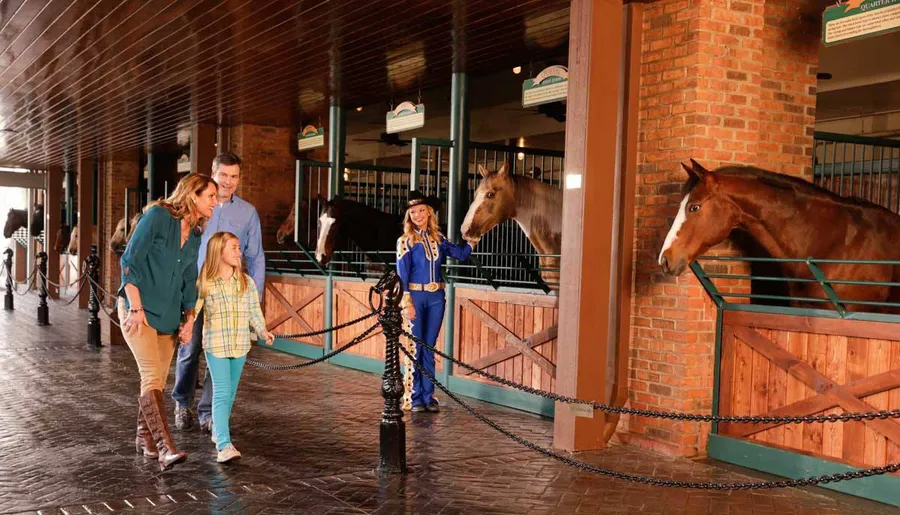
(421,263)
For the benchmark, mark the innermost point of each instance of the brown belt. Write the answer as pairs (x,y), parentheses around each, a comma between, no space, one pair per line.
(431,287)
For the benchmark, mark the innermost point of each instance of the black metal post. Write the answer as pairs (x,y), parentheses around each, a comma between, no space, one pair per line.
(393,430)
(43,310)
(8,298)
(93,271)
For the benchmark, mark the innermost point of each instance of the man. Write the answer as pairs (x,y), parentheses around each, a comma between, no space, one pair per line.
(235,215)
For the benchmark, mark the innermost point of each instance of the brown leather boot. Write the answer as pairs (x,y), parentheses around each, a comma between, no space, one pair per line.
(143,442)
(153,406)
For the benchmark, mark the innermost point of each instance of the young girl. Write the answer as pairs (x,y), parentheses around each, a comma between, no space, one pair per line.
(232,305)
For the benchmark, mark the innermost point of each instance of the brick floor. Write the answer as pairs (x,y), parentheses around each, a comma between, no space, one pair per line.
(310,443)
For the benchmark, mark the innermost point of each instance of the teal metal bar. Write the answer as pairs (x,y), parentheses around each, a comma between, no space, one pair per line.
(823,282)
(337,138)
(415,164)
(717,369)
(707,284)
(70,198)
(456,196)
(152,185)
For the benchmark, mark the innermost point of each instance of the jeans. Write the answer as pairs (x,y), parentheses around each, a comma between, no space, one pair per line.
(226,374)
(186,368)
(426,326)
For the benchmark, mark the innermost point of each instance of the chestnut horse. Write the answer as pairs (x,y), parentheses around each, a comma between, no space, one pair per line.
(789,218)
(119,238)
(344,220)
(286,230)
(534,205)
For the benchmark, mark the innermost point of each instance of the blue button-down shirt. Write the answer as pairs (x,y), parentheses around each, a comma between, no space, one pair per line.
(239,217)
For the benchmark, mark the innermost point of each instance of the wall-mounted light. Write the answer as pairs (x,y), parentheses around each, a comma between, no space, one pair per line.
(520,156)
(517,70)
(359,109)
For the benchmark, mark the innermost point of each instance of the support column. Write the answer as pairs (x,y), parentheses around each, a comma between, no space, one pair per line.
(52,214)
(152,187)
(70,199)
(85,223)
(203,148)
(588,313)
(456,196)
(336,144)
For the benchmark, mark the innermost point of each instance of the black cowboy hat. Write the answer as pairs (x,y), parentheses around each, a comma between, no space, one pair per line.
(416,197)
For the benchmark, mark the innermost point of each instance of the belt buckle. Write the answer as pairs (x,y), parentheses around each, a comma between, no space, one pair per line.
(431,287)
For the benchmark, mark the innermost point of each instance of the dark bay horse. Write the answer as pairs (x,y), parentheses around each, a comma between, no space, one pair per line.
(345,220)
(534,205)
(789,218)
(16,218)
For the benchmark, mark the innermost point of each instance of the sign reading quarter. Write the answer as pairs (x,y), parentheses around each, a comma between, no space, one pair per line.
(550,85)
(857,19)
(405,117)
(310,138)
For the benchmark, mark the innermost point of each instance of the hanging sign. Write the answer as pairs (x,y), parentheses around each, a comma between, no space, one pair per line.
(405,117)
(310,138)
(184,163)
(550,85)
(857,19)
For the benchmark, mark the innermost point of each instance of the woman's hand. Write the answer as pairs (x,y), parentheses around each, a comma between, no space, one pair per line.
(134,323)
(268,337)
(410,312)
(186,332)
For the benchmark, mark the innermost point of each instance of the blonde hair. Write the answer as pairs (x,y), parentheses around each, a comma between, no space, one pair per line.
(180,204)
(210,270)
(431,227)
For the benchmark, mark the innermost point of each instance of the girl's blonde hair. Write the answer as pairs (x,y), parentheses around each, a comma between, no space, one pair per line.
(180,203)
(210,270)
(431,227)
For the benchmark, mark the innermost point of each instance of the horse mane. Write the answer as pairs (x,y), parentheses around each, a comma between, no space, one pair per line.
(789,183)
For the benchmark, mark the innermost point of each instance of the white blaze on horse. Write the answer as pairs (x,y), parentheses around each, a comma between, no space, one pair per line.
(342,221)
(789,218)
(534,205)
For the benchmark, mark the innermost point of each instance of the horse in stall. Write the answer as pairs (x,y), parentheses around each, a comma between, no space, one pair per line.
(534,205)
(17,218)
(343,221)
(789,218)
(120,238)
(287,226)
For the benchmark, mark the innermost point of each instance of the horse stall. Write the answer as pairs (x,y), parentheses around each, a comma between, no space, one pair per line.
(774,359)
(502,308)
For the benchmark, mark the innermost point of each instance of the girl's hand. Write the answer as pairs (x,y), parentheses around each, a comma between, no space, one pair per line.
(134,322)
(268,337)
(410,312)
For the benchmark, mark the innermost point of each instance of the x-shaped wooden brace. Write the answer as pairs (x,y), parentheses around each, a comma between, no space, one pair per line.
(292,311)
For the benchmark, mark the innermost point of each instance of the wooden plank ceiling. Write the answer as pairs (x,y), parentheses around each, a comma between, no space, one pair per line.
(99,76)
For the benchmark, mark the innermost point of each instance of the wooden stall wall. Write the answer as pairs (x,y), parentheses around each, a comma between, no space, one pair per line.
(792,365)
(295,305)
(512,335)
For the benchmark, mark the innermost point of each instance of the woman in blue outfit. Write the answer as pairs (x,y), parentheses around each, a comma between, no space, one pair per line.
(421,251)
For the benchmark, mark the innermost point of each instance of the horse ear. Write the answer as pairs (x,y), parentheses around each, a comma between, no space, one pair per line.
(321,199)
(695,170)
(482,171)
(503,170)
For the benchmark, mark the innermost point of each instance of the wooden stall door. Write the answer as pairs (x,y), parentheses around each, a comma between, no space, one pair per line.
(295,305)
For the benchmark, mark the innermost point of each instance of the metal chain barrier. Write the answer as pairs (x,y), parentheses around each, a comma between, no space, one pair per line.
(327,329)
(73,283)
(703,485)
(331,354)
(32,279)
(671,415)
(98,291)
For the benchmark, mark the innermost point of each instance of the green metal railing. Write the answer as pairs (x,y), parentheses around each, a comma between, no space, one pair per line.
(858,166)
(828,305)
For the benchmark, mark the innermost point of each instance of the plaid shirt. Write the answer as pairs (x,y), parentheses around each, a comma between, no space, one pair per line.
(228,316)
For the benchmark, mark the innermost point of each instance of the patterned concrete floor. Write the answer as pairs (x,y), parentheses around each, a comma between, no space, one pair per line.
(310,443)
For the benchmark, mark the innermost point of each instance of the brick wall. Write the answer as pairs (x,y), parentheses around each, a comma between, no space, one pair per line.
(723,82)
(267,174)
(117,172)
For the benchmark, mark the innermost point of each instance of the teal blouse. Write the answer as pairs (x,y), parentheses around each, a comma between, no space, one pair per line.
(164,272)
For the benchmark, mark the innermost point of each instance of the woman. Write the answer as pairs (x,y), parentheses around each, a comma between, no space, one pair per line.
(421,251)
(159,285)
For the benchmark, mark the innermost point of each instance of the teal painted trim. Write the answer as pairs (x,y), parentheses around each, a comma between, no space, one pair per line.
(328,312)
(356,362)
(717,369)
(884,489)
(859,140)
(296,348)
(503,396)
(337,138)
(820,313)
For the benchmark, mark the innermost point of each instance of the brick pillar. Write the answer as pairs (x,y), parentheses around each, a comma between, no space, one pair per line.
(118,172)
(267,173)
(721,82)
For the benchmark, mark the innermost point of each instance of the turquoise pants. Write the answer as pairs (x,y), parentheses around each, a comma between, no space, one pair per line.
(226,373)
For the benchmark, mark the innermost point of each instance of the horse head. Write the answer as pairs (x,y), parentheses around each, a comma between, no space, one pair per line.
(704,219)
(286,230)
(63,236)
(329,229)
(120,238)
(73,241)
(37,220)
(494,203)
(15,219)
